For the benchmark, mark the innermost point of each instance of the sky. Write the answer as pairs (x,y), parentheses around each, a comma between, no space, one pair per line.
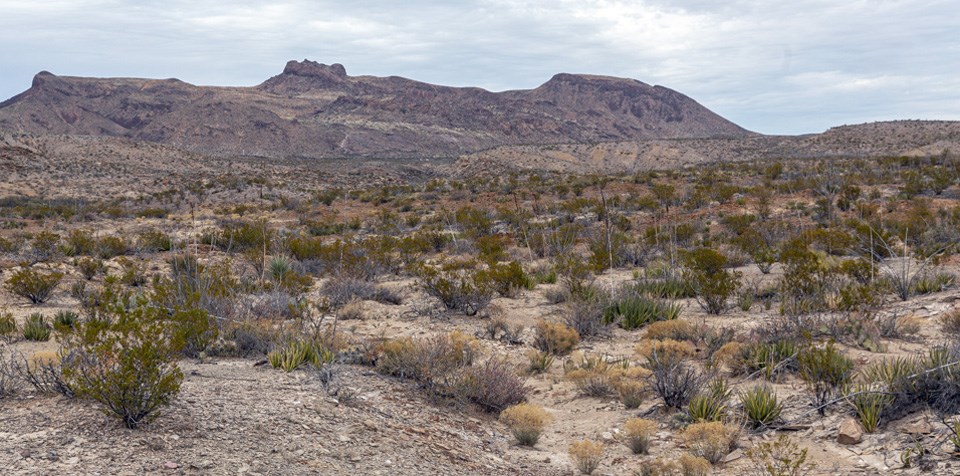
(770,66)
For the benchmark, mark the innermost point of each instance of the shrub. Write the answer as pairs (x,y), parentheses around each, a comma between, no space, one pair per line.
(341,290)
(950,323)
(431,362)
(33,285)
(80,242)
(666,348)
(152,240)
(631,393)
(111,246)
(673,329)
(458,285)
(89,267)
(637,433)
(44,372)
(291,357)
(126,361)
(508,279)
(526,422)
(555,338)
(711,440)
(704,270)
(35,328)
(760,405)
(691,465)
(586,316)
(781,457)
(45,246)
(771,359)
(493,385)
(673,379)
(825,369)
(133,273)
(586,455)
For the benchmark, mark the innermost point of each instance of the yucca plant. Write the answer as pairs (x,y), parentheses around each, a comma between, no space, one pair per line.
(869,404)
(291,357)
(36,328)
(710,405)
(760,405)
(8,325)
(636,311)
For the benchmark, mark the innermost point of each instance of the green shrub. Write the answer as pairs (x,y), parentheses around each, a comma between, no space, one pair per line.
(825,369)
(781,457)
(153,240)
(507,279)
(33,285)
(44,245)
(769,358)
(760,405)
(458,285)
(89,267)
(126,361)
(35,328)
(111,246)
(80,242)
(704,270)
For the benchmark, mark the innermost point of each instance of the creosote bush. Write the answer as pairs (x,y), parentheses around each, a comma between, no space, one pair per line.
(526,422)
(825,369)
(33,285)
(586,455)
(704,270)
(126,359)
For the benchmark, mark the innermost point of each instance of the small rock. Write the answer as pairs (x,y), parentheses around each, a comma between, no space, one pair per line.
(735,455)
(850,432)
(607,436)
(919,427)
(170,465)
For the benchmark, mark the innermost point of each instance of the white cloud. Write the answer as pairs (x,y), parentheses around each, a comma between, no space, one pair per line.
(778,67)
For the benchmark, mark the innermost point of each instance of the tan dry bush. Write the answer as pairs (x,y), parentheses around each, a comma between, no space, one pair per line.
(728,354)
(676,329)
(658,467)
(353,310)
(631,393)
(950,323)
(43,357)
(665,348)
(526,422)
(711,440)
(555,338)
(637,433)
(586,455)
(691,465)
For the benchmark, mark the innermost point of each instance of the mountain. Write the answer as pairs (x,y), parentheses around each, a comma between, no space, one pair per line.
(317,110)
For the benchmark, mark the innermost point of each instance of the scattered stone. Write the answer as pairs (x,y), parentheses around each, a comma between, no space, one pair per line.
(850,432)
(170,465)
(919,427)
(733,456)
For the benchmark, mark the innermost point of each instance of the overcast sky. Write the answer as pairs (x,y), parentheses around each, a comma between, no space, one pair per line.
(777,67)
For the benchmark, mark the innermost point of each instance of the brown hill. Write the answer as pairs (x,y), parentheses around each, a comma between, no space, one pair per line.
(315,110)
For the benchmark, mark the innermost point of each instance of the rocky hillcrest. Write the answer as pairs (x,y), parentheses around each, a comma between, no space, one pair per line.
(316,110)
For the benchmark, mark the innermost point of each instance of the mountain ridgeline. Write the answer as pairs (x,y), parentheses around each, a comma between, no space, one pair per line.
(316,110)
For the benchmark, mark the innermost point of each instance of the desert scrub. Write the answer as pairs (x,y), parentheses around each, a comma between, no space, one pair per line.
(555,338)
(493,385)
(950,323)
(781,457)
(825,369)
(126,360)
(760,405)
(89,267)
(432,362)
(691,465)
(586,455)
(44,372)
(666,348)
(298,353)
(676,329)
(33,285)
(36,328)
(459,285)
(711,440)
(631,392)
(526,422)
(637,433)
(8,325)
(595,376)
(704,269)
(870,405)
(64,321)
(673,378)
(539,362)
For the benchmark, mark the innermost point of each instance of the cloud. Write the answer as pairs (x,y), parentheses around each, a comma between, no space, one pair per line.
(774,67)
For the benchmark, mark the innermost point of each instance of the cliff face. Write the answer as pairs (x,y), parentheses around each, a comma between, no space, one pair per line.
(317,110)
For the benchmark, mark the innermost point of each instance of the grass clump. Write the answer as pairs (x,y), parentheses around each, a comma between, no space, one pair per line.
(710,405)
(526,422)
